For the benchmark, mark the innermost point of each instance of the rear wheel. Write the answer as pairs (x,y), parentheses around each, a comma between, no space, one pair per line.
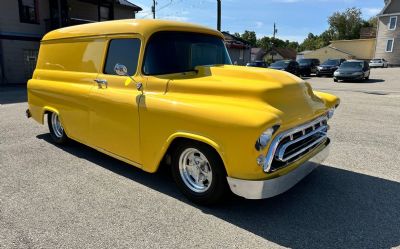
(199,173)
(56,129)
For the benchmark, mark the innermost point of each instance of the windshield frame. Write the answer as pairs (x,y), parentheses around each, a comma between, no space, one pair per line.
(336,65)
(284,63)
(146,49)
(352,66)
(308,62)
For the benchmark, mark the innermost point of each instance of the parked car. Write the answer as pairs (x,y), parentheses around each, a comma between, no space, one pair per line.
(290,66)
(329,67)
(352,70)
(149,92)
(257,64)
(378,63)
(308,66)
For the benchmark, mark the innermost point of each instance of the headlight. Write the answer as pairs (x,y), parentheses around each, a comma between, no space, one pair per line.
(319,68)
(265,137)
(330,113)
(336,73)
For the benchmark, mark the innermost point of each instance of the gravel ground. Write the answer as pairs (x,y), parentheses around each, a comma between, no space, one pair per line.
(76,197)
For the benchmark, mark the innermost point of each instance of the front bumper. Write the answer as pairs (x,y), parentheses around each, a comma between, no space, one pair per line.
(326,71)
(268,188)
(349,77)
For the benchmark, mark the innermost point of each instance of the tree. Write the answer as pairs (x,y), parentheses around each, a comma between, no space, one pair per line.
(346,25)
(250,37)
(372,22)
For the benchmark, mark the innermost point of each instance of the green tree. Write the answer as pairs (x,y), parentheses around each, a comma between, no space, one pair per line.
(346,25)
(250,37)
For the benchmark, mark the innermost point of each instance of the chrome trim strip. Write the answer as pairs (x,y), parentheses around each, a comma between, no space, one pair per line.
(282,150)
(300,151)
(251,189)
(274,144)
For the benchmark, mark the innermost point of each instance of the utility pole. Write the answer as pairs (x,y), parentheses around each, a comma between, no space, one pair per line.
(272,44)
(219,15)
(153,9)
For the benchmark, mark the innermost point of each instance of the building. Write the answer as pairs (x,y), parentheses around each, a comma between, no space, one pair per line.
(388,37)
(277,54)
(257,54)
(239,50)
(362,49)
(24,22)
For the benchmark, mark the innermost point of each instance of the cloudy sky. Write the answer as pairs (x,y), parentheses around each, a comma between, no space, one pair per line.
(294,18)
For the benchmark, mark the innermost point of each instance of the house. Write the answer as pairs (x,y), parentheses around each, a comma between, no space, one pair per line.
(239,50)
(301,54)
(24,22)
(257,54)
(388,37)
(277,54)
(362,49)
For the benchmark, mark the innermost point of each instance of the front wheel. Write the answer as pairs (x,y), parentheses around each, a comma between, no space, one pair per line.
(335,80)
(199,173)
(56,129)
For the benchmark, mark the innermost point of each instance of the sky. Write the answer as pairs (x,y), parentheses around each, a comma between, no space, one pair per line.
(294,18)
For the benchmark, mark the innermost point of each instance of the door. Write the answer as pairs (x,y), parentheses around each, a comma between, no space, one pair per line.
(114,102)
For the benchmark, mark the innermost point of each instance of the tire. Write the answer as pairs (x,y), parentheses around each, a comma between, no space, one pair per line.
(191,160)
(335,80)
(56,129)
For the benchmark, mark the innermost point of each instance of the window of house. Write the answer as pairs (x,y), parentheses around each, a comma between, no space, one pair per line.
(28,11)
(389,45)
(104,13)
(392,22)
(125,52)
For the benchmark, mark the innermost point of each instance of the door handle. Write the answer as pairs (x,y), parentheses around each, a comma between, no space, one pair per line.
(101,83)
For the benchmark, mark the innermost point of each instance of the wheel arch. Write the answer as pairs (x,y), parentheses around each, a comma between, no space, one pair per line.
(179,137)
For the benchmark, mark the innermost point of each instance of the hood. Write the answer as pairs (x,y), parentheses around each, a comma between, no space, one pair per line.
(278,67)
(349,70)
(288,96)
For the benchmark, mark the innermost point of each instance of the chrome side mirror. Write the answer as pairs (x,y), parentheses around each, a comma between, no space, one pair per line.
(121,70)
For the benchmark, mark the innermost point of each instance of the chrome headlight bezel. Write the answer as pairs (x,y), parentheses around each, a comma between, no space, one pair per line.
(330,113)
(265,137)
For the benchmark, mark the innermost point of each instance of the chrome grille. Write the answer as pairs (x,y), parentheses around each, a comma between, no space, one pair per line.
(295,143)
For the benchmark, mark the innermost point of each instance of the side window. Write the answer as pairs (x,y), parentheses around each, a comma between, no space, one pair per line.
(392,22)
(389,45)
(28,11)
(122,51)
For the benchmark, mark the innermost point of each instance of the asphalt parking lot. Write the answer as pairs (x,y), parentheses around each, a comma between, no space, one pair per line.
(76,197)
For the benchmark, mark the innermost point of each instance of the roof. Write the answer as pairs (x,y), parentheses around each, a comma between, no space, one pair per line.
(288,53)
(143,27)
(234,41)
(129,4)
(256,50)
(305,52)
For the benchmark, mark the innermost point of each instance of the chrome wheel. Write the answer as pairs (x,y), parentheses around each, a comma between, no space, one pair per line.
(56,125)
(195,170)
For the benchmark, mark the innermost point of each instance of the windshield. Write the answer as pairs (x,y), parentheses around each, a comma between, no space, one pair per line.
(304,61)
(353,64)
(331,63)
(175,52)
(280,64)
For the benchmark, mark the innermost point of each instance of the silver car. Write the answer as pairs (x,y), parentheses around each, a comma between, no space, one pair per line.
(378,63)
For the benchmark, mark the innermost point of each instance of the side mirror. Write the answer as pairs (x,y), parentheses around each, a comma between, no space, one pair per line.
(121,70)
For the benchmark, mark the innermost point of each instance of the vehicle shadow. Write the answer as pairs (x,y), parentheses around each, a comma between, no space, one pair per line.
(331,208)
(370,81)
(13,94)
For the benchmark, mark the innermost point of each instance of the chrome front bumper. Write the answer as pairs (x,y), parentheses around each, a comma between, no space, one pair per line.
(272,187)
